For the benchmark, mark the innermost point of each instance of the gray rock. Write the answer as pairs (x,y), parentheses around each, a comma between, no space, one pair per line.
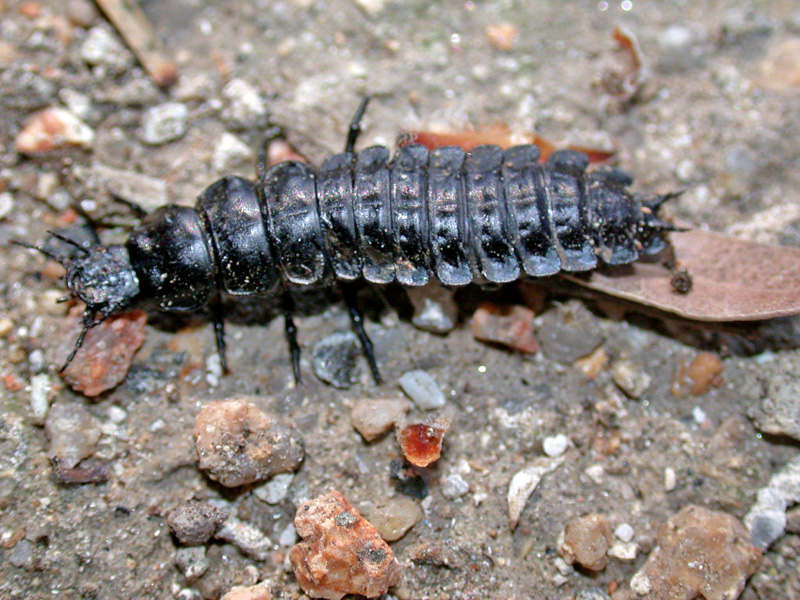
(237,443)
(276,490)
(247,538)
(422,389)
(102,48)
(569,332)
(434,308)
(767,518)
(776,399)
(164,123)
(192,561)
(335,360)
(194,523)
(454,486)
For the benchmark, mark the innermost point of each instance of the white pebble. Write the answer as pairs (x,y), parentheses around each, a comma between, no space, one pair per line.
(699,415)
(6,204)
(276,489)
(624,532)
(288,536)
(555,445)
(245,108)
(230,152)
(117,414)
(454,486)
(40,403)
(670,479)
(422,389)
(596,473)
(164,123)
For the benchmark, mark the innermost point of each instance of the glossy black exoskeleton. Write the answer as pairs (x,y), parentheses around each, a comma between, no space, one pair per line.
(486,215)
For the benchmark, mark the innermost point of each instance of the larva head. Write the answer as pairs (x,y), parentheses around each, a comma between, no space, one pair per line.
(103,278)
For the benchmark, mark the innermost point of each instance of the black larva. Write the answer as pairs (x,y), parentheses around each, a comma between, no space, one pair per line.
(448,215)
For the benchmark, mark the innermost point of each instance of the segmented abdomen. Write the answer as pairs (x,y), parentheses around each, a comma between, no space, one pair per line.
(483,215)
(486,215)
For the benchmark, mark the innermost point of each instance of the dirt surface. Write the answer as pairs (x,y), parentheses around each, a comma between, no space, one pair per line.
(719,117)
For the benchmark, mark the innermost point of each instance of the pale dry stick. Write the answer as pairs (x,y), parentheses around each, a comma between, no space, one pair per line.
(135,28)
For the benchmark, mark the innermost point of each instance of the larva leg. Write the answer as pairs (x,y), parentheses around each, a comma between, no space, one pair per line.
(291,334)
(357,319)
(218,319)
(355,124)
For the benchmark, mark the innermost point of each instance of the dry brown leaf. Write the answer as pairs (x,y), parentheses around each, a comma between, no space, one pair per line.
(733,279)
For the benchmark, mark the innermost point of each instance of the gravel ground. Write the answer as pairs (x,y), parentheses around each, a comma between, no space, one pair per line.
(719,117)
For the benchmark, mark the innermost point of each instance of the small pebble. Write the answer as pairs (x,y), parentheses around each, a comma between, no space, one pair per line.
(596,473)
(502,36)
(164,123)
(247,538)
(510,326)
(569,332)
(102,48)
(373,418)
(630,378)
(21,556)
(276,490)
(434,308)
(593,364)
(79,104)
(52,128)
(250,592)
(230,153)
(454,486)
(767,517)
(626,551)
(624,532)
(670,479)
(586,541)
(73,434)
(524,482)
(80,12)
(6,326)
(422,389)
(702,373)
(194,523)
(335,359)
(556,445)
(341,552)
(107,351)
(6,204)
(244,106)
(237,443)
(192,562)
(40,401)
(421,443)
(288,537)
(394,517)
(699,553)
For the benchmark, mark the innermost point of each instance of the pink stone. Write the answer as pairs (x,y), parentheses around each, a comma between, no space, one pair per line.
(341,552)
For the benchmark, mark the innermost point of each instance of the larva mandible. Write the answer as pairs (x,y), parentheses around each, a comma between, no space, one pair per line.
(458,217)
